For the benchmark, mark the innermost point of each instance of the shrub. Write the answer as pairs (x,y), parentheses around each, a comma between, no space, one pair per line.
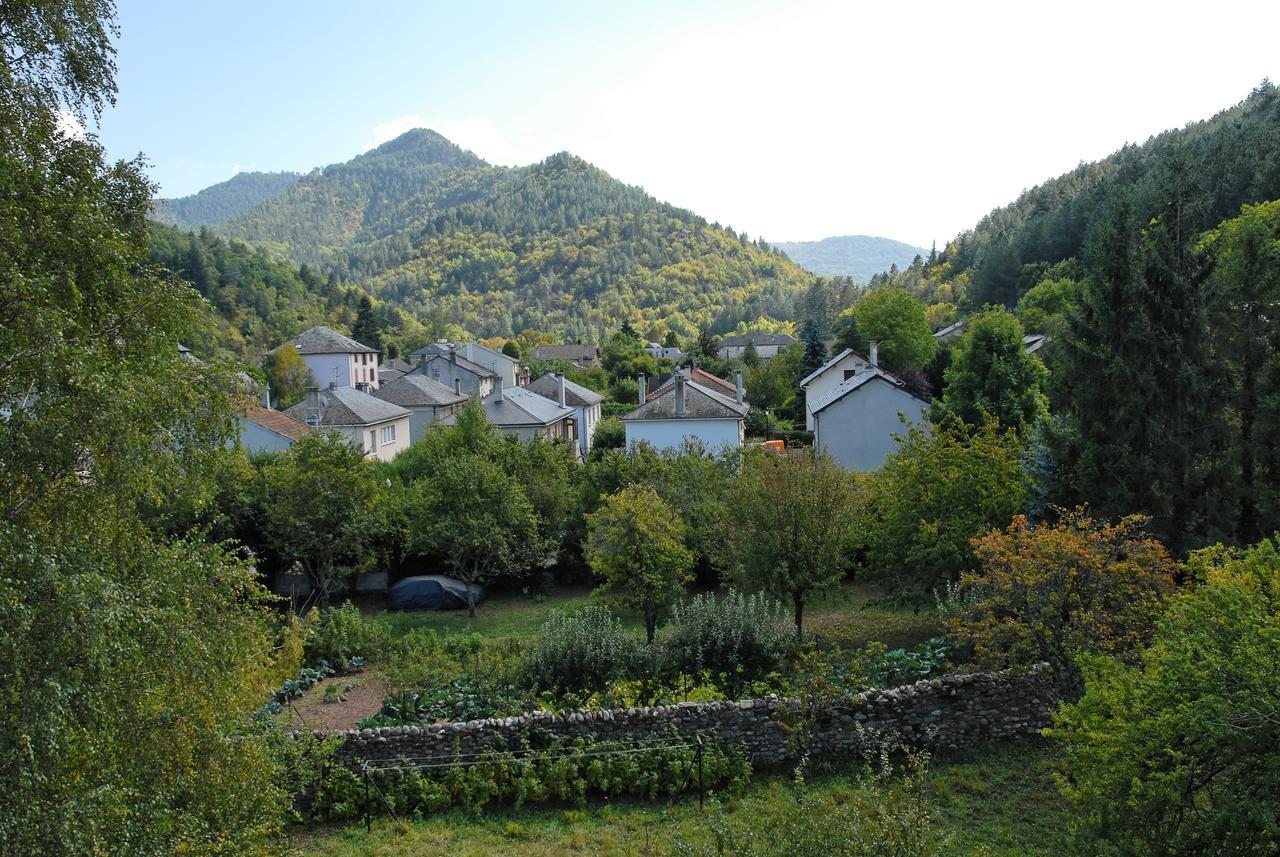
(580,651)
(905,666)
(735,640)
(338,634)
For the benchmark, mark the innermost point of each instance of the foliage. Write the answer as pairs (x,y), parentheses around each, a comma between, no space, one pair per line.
(992,376)
(735,640)
(636,543)
(320,509)
(610,434)
(790,524)
(538,769)
(935,492)
(340,635)
(587,650)
(288,376)
(1176,755)
(366,329)
(896,320)
(1045,307)
(896,667)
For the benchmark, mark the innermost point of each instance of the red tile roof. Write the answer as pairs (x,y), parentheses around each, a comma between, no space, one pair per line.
(278,422)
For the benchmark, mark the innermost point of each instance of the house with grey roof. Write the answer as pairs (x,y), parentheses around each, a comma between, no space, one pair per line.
(455,371)
(767,344)
(579,354)
(380,428)
(335,358)
(525,415)
(687,411)
(858,409)
(586,403)
(507,368)
(428,401)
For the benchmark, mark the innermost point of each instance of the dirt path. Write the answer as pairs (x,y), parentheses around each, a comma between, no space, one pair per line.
(362,696)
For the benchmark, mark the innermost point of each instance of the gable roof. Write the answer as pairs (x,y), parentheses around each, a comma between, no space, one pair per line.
(575,395)
(324,340)
(397,365)
(486,353)
(700,403)
(463,363)
(1033,342)
(698,376)
(519,407)
(953,329)
(830,363)
(386,376)
(857,382)
(417,391)
(568,351)
(758,339)
(278,422)
(347,406)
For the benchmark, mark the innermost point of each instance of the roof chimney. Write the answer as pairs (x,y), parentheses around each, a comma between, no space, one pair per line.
(313,406)
(738,380)
(266,396)
(679,393)
(560,388)
(457,386)
(875,354)
(498,388)
(641,385)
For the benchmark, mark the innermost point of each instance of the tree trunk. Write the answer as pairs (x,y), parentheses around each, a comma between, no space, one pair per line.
(471,602)
(798,601)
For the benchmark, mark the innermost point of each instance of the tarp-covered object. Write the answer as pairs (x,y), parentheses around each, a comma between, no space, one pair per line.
(431,592)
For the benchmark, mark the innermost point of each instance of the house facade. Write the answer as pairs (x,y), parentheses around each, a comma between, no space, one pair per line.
(263,430)
(587,404)
(820,383)
(458,373)
(687,411)
(660,352)
(855,422)
(427,401)
(505,367)
(767,344)
(379,428)
(335,358)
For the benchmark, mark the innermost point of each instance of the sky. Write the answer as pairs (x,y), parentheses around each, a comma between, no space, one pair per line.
(787,120)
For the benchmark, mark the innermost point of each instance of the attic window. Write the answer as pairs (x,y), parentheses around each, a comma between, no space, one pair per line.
(849,373)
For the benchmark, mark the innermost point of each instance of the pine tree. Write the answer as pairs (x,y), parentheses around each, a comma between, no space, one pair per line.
(815,350)
(366,330)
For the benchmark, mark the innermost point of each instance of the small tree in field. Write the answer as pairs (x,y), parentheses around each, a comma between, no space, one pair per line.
(636,543)
(789,523)
(1055,591)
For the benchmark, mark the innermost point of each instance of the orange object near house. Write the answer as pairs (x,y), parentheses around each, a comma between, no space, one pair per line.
(775,445)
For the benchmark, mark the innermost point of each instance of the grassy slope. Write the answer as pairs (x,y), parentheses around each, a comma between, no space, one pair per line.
(996,801)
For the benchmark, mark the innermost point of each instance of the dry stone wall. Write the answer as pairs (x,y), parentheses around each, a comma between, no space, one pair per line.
(944,713)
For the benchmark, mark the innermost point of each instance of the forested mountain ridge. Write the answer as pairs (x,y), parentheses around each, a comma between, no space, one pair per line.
(223,201)
(558,245)
(858,256)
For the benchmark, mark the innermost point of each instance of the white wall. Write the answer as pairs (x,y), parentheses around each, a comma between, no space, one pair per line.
(373,445)
(826,382)
(340,369)
(669,434)
(858,430)
(588,419)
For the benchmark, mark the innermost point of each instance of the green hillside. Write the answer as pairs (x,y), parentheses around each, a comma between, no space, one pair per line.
(223,201)
(857,256)
(559,245)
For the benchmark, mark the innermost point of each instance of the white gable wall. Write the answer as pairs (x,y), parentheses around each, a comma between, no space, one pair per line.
(715,434)
(819,387)
(344,370)
(858,429)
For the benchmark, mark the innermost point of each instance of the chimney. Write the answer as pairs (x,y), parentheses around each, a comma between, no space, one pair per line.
(457,386)
(875,354)
(560,389)
(498,388)
(266,396)
(679,393)
(313,406)
(741,394)
(362,386)
(641,385)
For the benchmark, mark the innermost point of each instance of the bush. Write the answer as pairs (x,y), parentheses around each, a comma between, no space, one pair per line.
(902,666)
(735,640)
(584,651)
(337,634)
(610,434)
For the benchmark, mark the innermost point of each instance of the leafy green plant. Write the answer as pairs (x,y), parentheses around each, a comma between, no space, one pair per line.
(734,640)
(340,634)
(905,666)
(580,651)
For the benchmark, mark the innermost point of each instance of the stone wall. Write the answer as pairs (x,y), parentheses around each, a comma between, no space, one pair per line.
(944,713)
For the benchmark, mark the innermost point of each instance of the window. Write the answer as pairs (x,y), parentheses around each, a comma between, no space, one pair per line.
(388,434)
(849,373)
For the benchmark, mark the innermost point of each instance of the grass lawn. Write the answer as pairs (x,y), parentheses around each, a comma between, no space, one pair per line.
(994,801)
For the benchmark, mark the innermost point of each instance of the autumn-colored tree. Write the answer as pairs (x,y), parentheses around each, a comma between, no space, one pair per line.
(1055,591)
(636,543)
(288,376)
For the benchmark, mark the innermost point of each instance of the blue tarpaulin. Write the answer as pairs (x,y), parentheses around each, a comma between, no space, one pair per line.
(431,592)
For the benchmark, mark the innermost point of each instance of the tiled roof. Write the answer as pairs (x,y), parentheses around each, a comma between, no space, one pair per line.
(418,391)
(699,403)
(698,376)
(347,406)
(396,364)
(278,422)
(325,340)
(575,395)
(463,363)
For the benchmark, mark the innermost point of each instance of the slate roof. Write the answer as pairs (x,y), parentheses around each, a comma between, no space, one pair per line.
(395,364)
(570,351)
(278,422)
(575,395)
(417,391)
(1033,342)
(324,340)
(519,407)
(859,380)
(487,353)
(757,338)
(700,403)
(698,376)
(953,329)
(833,361)
(463,363)
(386,376)
(347,406)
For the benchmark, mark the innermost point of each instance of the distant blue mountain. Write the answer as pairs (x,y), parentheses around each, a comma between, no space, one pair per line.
(221,202)
(857,256)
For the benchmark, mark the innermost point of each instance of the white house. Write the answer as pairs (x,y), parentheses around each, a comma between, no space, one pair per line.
(458,373)
(428,401)
(687,410)
(506,368)
(856,419)
(335,358)
(265,430)
(380,428)
(525,415)
(658,352)
(767,344)
(586,404)
(819,383)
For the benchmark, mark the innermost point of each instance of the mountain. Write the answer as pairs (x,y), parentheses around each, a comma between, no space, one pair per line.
(857,256)
(223,201)
(560,245)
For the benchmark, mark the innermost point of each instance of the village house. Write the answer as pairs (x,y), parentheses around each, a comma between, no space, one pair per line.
(687,410)
(380,428)
(457,372)
(855,407)
(525,415)
(698,376)
(263,430)
(335,358)
(582,356)
(428,401)
(505,367)
(587,404)
(664,352)
(767,344)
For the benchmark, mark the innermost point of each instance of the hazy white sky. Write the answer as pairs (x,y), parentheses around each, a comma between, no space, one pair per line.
(789,120)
